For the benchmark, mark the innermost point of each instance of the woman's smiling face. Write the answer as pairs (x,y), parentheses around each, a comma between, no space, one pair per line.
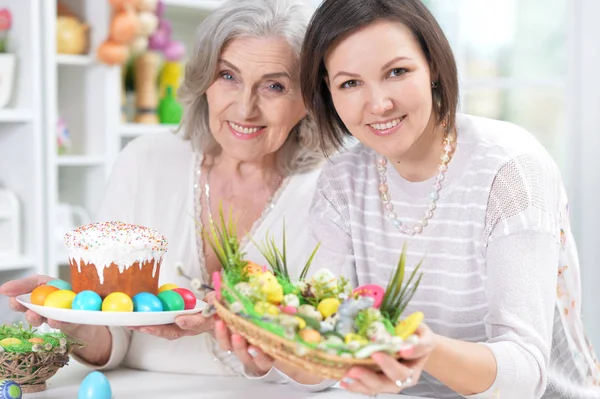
(255,100)
(380,84)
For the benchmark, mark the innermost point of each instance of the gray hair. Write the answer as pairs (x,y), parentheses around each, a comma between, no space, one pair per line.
(246,18)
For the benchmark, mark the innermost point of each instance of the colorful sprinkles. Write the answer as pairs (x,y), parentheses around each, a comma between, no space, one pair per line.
(106,234)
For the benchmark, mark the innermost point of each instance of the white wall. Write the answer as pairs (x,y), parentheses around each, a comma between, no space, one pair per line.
(584,146)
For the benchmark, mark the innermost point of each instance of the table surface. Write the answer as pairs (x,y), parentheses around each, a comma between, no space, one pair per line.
(135,384)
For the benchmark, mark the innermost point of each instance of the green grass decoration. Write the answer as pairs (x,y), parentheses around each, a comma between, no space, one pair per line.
(398,295)
(222,236)
(51,340)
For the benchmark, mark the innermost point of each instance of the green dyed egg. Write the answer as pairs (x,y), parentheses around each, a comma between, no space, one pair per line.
(171,301)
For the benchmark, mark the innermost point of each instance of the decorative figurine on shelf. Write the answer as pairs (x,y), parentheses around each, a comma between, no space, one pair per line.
(131,26)
(10,224)
(7,61)
(63,140)
(146,73)
(5,24)
(71,32)
(169,110)
(172,70)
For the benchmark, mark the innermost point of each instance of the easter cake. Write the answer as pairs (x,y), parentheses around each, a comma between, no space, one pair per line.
(319,323)
(109,257)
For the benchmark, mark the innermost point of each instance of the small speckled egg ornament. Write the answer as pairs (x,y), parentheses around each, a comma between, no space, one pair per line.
(117,302)
(10,390)
(95,386)
(60,284)
(62,299)
(171,301)
(166,287)
(147,302)
(189,299)
(87,300)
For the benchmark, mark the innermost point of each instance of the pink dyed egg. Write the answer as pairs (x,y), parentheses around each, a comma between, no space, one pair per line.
(289,309)
(372,290)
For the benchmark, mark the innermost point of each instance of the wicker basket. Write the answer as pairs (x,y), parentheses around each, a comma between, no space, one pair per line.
(311,360)
(31,370)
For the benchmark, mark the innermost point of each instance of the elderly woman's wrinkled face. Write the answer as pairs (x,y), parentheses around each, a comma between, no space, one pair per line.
(255,99)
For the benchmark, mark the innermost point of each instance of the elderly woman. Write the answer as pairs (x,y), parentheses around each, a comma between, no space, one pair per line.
(245,144)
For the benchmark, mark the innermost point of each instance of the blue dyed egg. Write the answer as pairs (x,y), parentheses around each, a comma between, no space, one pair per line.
(95,386)
(10,390)
(146,302)
(60,284)
(87,300)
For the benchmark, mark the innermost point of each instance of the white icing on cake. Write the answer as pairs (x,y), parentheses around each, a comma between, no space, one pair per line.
(104,243)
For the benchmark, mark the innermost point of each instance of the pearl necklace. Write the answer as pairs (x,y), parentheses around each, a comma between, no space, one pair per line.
(433,196)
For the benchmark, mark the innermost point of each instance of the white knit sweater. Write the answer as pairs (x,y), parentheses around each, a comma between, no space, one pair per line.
(500,267)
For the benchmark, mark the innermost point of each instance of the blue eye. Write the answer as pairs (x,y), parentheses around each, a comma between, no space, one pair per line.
(276,87)
(397,72)
(226,75)
(349,84)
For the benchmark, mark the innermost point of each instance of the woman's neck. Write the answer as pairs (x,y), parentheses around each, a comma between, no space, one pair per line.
(422,159)
(263,170)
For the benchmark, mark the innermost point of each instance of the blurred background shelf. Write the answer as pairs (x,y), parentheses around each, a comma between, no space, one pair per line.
(187,5)
(132,130)
(76,60)
(8,115)
(80,160)
(25,262)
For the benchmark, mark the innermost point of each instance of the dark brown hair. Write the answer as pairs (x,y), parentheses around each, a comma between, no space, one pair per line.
(335,19)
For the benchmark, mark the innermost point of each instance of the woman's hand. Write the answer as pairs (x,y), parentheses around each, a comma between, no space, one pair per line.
(395,375)
(96,354)
(256,362)
(184,326)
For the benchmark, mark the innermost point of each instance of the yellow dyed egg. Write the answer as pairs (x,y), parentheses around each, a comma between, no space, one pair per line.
(62,299)
(328,306)
(167,287)
(409,325)
(117,302)
(301,322)
(10,341)
(356,338)
(270,287)
(311,336)
(266,308)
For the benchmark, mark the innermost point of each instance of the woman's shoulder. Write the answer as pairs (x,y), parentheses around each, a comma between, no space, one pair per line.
(498,143)
(349,160)
(158,146)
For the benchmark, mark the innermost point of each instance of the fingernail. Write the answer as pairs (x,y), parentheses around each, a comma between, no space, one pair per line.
(347,380)
(253,352)
(407,352)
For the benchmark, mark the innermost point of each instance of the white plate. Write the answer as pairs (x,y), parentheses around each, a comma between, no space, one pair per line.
(124,319)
